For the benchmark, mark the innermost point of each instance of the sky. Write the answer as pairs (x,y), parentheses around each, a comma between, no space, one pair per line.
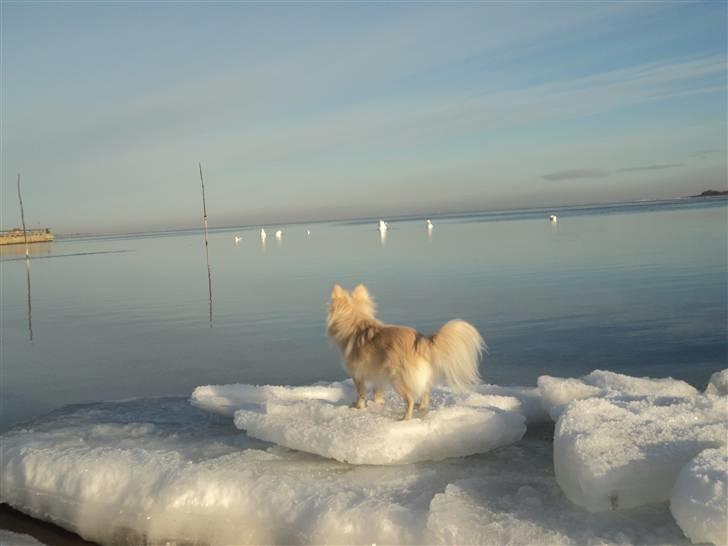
(300,111)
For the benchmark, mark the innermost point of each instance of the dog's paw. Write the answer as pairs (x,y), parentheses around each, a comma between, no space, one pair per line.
(359,404)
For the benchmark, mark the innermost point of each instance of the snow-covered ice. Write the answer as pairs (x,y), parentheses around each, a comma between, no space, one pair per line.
(529,398)
(618,453)
(523,509)
(318,420)
(557,392)
(718,383)
(151,471)
(699,499)
(227,399)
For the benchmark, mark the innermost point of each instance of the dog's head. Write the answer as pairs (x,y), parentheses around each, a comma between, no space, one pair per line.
(348,308)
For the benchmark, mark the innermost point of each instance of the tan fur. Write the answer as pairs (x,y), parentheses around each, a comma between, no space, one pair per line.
(384,354)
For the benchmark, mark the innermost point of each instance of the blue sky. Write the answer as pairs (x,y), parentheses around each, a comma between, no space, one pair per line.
(302,111)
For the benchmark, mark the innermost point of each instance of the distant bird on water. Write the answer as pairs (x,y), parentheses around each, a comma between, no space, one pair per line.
(383,226)
(279,234)
(263,234)
(238,238)
(553,218)
(429,223)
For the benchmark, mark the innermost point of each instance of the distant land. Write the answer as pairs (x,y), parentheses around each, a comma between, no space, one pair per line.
(711,193)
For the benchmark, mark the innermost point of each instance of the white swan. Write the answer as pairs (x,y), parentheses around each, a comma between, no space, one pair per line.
(238,238)
(279,234)
(429,223)
(383,226)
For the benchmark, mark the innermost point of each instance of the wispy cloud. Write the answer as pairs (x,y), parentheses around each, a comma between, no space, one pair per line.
(649,168)
(575,174)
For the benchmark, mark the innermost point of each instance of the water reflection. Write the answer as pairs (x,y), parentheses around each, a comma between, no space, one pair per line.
(383,237)
(30,310)
(35,249)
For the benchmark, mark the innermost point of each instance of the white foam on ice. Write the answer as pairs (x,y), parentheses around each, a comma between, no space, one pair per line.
(557,392)
(618,453)
(718,383)
(157,471)
(699,498)
(456,425)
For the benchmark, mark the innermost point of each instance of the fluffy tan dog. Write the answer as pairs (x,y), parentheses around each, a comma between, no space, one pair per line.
(401,356)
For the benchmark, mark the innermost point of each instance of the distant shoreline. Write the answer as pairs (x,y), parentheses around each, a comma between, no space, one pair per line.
(711,193)
(395,218)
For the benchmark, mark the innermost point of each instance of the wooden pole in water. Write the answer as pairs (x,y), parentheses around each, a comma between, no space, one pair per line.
(22,218)
(207,252)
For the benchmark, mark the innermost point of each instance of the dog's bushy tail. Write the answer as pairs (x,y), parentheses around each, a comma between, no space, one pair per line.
(456,350)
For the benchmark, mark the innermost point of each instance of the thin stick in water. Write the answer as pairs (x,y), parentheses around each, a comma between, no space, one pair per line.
(27,261)
(22,217)
(207,252)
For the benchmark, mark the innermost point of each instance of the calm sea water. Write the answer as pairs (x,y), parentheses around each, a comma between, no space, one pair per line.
(639,289)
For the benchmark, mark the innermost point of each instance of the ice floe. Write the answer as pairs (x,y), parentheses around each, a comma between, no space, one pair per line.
(557,392)
(227,399)
(157,471)
(614,453)
(318,420)
(718,383)
(699,499)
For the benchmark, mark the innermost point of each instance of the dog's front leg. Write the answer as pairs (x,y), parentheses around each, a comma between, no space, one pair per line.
(410,406)
(425,400)
(361,394)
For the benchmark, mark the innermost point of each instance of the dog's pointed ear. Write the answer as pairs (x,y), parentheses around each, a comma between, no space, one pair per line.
(361,293)
(338,292)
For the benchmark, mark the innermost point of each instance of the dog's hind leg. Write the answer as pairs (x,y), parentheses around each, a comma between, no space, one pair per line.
(361,394)
(378,396)
(405,393)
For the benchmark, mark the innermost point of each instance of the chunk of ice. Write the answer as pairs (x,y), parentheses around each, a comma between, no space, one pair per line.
(557,392)
(718,383)
(699,499)
(531,405)
(227,399)
(612,453)
(158,471)
(515,509)
(456,425)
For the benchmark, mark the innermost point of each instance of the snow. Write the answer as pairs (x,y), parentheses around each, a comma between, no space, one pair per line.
(318,420)
(227,399)
(699,499)
(614,453)
(718,383)
(557,392)
(157,471)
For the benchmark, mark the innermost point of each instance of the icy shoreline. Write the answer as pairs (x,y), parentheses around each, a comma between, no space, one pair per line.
(149,471)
